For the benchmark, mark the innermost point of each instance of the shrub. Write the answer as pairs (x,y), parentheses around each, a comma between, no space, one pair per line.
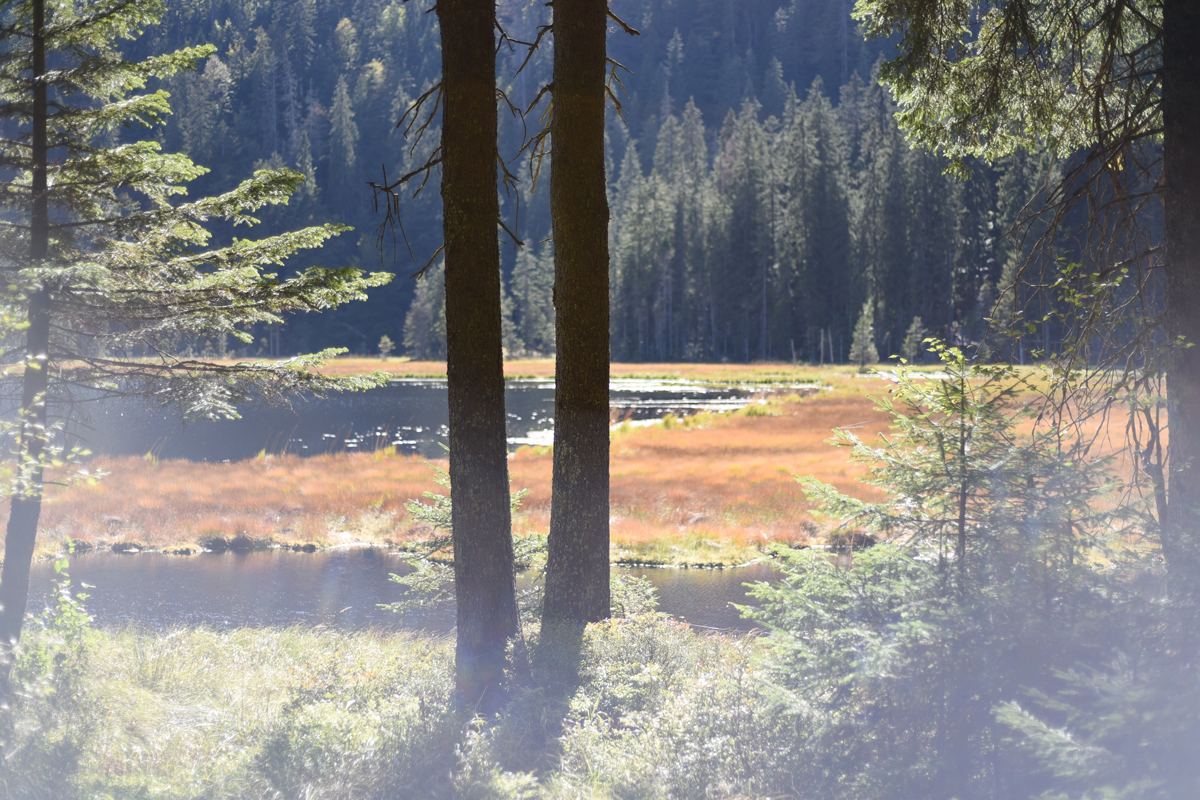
(49,718)
(990,586)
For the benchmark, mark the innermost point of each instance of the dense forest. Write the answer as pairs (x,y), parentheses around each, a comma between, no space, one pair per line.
(762,194)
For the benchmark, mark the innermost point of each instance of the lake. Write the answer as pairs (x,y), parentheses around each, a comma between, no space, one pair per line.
(411,415)
(338,588)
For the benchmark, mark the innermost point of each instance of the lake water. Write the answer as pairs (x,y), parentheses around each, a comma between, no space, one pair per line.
(338,588)
(409,414)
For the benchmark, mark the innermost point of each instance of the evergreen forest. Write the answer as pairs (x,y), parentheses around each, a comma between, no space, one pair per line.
(762,194)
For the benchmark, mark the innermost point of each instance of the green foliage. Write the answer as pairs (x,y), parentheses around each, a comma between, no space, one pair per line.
(132,269)
(914,341)
(356,726)
(964,483)
(661,711)
(862,345)
(983,79)
(50,719)
(997,579)
(386,346)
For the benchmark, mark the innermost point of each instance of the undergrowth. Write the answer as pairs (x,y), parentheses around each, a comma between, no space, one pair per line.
(660,711)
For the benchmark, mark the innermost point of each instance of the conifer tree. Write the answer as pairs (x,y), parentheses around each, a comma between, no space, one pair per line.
(577,561)
(914,341)
(343,134)
(425,323)
(532,285)
(862,345)
(485,588)
(106,272)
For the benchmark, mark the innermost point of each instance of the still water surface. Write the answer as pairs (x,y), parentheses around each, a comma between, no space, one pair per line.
(338,588)
(411,415)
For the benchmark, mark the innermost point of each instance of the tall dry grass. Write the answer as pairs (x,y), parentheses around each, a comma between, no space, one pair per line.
(709,490)
(323,500)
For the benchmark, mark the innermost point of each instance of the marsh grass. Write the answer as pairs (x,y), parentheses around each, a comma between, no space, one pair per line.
(705,489)
(702,489)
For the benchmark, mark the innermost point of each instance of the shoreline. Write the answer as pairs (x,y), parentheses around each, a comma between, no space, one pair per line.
(128,549)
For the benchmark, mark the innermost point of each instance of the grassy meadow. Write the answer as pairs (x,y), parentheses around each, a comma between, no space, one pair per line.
(708,489)
(658,711)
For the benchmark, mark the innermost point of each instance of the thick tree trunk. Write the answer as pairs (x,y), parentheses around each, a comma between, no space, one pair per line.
(1181,200)
(577,570)
(483,553)
(26,507)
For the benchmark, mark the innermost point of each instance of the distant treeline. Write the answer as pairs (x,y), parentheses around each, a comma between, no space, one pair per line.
(755,209)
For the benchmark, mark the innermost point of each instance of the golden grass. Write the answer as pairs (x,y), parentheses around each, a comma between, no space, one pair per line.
(713,489)
(771,372)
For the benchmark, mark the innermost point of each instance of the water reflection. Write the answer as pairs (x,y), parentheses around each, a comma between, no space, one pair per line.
(409,414)
(338,588)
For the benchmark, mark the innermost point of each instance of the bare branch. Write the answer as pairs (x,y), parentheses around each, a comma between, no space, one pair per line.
(624,26)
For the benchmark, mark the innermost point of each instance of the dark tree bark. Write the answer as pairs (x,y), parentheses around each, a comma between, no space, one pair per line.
(26,507)
(479,470)
(577,570)
(1181,202)
(483,553)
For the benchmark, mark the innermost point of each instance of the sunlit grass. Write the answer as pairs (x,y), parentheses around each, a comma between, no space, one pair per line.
(321,713)
(198,712)
(708,489)
(677,487)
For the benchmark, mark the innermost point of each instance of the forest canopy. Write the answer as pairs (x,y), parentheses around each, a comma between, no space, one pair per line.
(761,189)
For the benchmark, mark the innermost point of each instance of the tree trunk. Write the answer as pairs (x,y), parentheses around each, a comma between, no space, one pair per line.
(1181,201)
(483,553)
(577,569)
(26,507)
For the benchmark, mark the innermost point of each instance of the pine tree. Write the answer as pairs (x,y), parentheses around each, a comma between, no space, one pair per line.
(577,560)
(914,341)
(485,588)
(862,346)
(104,266)
(425,323)
(532,286)
(343,133)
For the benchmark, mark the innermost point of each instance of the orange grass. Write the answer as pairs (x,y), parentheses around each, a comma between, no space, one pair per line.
(714,489)
(323,500)
(728,483)
(760,372)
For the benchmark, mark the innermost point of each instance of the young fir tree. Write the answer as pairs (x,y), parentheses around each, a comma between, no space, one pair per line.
(862,346)
(914,341)
(532,286)
(998,574)
(425,323)
(106,272)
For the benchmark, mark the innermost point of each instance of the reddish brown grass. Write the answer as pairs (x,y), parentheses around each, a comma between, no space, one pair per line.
(730,482)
